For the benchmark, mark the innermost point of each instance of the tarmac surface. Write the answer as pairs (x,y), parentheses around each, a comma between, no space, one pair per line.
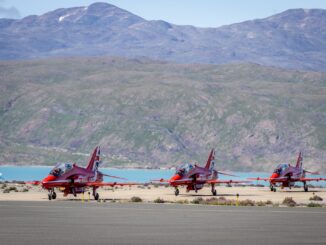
(68,222)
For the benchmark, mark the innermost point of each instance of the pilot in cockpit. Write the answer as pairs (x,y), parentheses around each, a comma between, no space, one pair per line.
(281,168)
(60,169)
(183,169)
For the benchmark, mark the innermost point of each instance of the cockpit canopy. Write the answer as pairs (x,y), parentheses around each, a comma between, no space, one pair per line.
(184,168)
(281,168)
(60,169)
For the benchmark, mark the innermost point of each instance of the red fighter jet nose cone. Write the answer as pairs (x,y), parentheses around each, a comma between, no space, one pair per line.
(176,177)
(49,178)
(274,175)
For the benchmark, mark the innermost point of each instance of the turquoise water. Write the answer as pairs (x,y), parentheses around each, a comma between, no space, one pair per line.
(28,173)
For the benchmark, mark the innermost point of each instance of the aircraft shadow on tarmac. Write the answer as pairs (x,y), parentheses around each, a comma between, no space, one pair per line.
(299,191)
(210,195)
(295,190)
(86,200)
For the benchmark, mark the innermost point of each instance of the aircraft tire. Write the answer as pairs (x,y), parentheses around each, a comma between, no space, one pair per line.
(274,189)
(214,192)
(176,192)
(305,188)
(49,196)
(96,196)
(54,195)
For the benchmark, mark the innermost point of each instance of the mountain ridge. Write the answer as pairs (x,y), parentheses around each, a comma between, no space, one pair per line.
(292,39)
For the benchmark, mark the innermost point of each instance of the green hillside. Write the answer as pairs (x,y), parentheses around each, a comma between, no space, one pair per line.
(152,114)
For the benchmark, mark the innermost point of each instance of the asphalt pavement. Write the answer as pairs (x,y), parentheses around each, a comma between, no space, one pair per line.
(66,222)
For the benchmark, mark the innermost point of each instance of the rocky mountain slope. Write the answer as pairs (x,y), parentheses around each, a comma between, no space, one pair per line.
(155,114)
(293,39)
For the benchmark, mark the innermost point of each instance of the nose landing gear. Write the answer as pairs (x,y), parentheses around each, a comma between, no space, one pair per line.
(273,188)
(52,194)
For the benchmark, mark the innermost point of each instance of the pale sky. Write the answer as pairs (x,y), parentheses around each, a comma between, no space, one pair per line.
(201,13)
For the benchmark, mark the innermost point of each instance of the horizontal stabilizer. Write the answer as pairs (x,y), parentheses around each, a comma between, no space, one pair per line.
(315,173)
(223,173)
(115,177)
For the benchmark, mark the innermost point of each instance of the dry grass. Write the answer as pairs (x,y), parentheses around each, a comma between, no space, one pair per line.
(288,201)
(315,198)
(159,200)
(136,199)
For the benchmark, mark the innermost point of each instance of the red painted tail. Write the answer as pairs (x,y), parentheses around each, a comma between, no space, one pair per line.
(299,160)
(95,160)
(210,164)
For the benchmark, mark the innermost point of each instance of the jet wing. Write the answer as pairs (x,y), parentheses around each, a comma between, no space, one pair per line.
(202,181)
(59,183)
(63,183)
(34,182)
(282,179)
(312,179)
(258,178)
(217,181)
(68,183)
(100,184)
(177,182)
(160,180)
(285,179)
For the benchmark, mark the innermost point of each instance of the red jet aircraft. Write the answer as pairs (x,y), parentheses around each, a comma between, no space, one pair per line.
(286,175)
(195,177)
(72,179)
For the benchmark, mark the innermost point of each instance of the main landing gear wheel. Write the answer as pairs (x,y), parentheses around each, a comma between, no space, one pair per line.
(305,187)
(273,188)
(213,190)
(73,191)
(54,195)
(50,196)
(176,192)
(96,196)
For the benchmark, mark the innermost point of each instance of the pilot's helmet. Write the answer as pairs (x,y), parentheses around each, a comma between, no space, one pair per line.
(55,172)
(68,166)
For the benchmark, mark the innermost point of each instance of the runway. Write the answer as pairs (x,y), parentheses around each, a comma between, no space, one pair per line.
(68,222)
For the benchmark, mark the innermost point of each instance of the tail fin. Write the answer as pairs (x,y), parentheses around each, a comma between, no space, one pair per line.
(94,162)
(210,164)
(299,160)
